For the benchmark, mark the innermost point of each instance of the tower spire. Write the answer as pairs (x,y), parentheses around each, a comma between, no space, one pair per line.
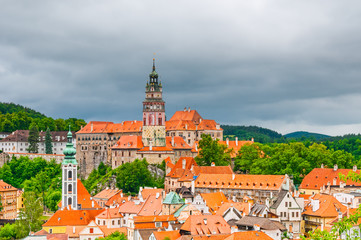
(153,64)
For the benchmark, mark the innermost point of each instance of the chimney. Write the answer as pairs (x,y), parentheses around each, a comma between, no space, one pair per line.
(93,204)
(184,163)
(73,229)
(315,204)
(213,164)
(233,176)
(172,141)
(257,227)
(205,221)
(185,109)
(189,109)
(334,181)
(186,126)
(193,187)
(227,141)
(81,127)
(91,127)
(335,167)
(236,141)
(322,166)
(121,194)
(192,167)
(196,147)
(150,145)
(157,195)
(354,168)
(252,140)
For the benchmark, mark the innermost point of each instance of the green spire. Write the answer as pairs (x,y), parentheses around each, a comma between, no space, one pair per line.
(153,74)
(69,150)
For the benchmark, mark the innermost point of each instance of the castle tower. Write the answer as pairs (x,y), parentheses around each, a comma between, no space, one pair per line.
(69,179)
(153,112)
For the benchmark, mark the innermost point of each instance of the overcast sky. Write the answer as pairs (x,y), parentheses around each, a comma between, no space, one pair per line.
(284,65)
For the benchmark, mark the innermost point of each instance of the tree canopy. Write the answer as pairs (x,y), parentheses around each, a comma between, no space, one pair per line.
(211,151)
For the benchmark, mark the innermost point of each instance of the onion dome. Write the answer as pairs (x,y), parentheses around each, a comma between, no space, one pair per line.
(69,150)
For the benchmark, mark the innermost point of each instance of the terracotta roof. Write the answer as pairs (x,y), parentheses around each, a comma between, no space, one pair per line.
(329,206)
(206,224)
(214,200)
(107,194)
(126,126)
(160,218)
(187,115)
(152,206)
(178,171)
(242,207)
(130,207)
(72,218)
(205,237)
(235,145)
(146,192)
(171,235)
(319,177)
(129,142)
(110,213)
(249,235)
(74,234)
(180,125)
(209,125)
(117,199)
(95,127)
(212,170)
(240,181)
(168,163)
(5,187)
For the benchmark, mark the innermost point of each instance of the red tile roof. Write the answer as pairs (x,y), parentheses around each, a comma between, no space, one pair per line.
(240,181)
(212,170)
(129,142)
(178,171)
(206,224)
(214,200)
(179,143)
(152,206)
(235,145)
(95,127)
(329,207)
(107,193)
(5,187)
(148,222)
(72,218)
(249,235)
(110,213)
(146,192)
(130,207)
(319,177)
(187,115)
(171,235)
(242,207)
(117,199)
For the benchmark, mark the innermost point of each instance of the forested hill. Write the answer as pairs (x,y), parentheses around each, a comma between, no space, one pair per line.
(262,135)
(15,108)
(306,135)
(16,117)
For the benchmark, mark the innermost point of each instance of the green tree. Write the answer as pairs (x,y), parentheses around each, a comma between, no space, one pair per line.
(212,151)
(131,176)
(246,156)
(115,236)
(48,142)
(30,215)
(8,231)
(33,138)
(52,200)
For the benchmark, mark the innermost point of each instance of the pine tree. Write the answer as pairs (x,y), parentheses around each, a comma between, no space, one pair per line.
(33,139)
(48,142)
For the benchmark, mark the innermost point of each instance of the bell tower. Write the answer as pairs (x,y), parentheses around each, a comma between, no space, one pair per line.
(153,112)
(69,179)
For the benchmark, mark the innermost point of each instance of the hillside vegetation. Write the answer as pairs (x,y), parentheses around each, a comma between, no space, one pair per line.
(262,135)
(16,117)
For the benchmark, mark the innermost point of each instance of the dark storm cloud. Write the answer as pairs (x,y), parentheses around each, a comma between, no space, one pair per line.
(281,64)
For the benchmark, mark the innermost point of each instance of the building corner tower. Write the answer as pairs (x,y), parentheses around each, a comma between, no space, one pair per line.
(153,133)
(69,175)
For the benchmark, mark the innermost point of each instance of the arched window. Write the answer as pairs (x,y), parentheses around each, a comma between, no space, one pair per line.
(70,174)
(69,201)
(70,188)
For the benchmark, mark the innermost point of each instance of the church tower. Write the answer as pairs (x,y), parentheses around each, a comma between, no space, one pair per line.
(69,179)
(153,112)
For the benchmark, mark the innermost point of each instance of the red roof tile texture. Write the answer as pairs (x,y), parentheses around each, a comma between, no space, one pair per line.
(319,177)
(329,207)
(72,217)
(206,224)
(249,235)
(214,200)
(107,194)
(240,181)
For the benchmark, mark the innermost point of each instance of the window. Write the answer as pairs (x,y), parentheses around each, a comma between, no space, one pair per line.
(69,201)
(286,204)
(296,214)
(290,204)
(70,188)
(158,224)
(113,222)
(91,230)
(293,214)
(70,173)
(50,230)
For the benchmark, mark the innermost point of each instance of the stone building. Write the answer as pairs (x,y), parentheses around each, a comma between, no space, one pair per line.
(17,142)
(8,195)
(153,138)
